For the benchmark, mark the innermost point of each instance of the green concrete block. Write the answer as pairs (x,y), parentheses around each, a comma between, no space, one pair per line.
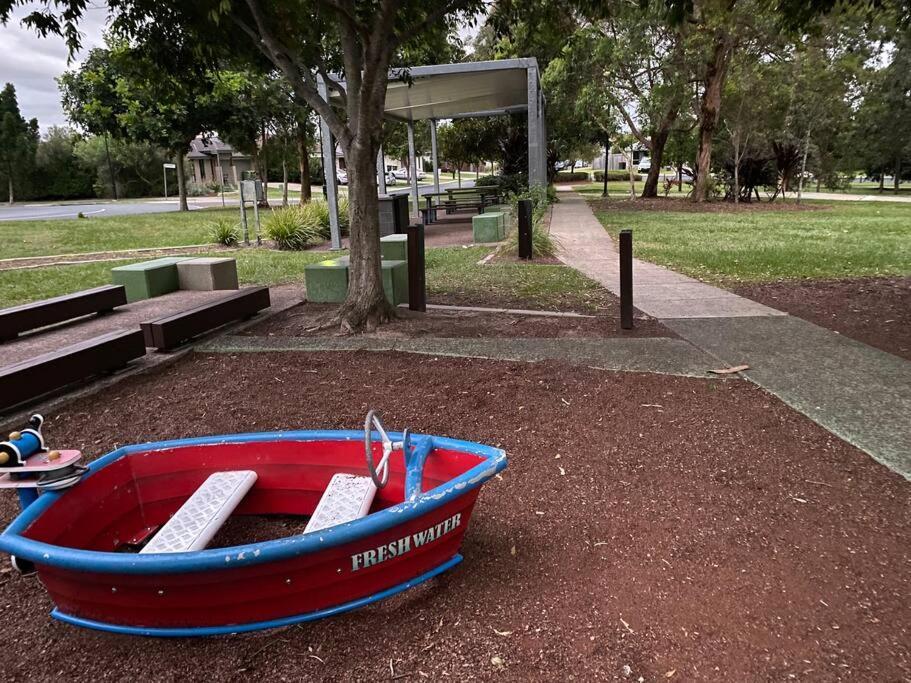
(149,278)
(327,281)
(394,247)
(395,281)
(488,227)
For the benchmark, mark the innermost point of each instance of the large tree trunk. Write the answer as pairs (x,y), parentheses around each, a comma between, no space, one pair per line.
(658,143)
(284,182)
(10,181)
(737,171)
(304,162)
(803,165)
(659,140)
(710,111)
(265,167)
(366,305)
(896,178)
(181,184)
(107,153)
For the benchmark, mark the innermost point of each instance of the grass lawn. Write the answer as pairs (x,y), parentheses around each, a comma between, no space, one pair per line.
(619,189)
(455,271)
(449,270)
(254,266)
(842,239)
(866,188)
(82,235)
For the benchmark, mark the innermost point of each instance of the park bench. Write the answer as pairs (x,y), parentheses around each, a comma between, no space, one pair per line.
(31,316)
(464,203)
(29,379)
(203,514)
(171,331)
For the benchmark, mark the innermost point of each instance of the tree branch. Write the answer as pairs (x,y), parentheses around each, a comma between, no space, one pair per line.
(419,27)
(299,77)
(632,125)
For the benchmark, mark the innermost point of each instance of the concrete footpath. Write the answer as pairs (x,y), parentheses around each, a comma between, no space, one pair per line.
(659,354)
(659,292)
(859,393)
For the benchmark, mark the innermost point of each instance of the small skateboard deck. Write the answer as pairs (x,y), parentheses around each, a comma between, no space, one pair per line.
(38,463)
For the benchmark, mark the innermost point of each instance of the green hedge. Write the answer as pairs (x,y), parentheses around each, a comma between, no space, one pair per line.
(572,176)
(613,176)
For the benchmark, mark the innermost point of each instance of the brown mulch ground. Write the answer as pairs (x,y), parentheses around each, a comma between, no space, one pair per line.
(875,311)
(686,529)
(718,206)
(304,321)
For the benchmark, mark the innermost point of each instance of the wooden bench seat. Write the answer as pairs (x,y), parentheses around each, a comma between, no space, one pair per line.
(463,204)
(31,316)
(172,331)
(29,379)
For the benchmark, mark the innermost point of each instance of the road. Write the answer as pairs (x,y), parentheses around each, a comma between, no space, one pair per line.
(129,207)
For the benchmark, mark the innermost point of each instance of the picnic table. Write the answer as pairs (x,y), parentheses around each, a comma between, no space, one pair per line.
(457,198)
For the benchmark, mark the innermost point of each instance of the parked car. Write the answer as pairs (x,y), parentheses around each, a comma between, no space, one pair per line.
(342,177)
(401,173)
(645,165)
(390,178)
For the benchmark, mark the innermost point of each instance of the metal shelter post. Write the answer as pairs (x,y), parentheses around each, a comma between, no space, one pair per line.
(433,154)
(329,178)
(535,132)
(380,172)
(413,172)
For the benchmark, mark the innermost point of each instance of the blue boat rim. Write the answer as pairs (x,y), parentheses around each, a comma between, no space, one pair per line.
(12,541)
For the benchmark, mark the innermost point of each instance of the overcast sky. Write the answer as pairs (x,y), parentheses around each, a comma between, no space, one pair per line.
(32,63)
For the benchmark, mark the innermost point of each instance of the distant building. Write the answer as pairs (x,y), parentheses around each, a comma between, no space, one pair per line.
(616,161)
(216,161)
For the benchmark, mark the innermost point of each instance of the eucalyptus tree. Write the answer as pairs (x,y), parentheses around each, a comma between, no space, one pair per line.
(91,102)
(309,42)
(18,141)
(141,91)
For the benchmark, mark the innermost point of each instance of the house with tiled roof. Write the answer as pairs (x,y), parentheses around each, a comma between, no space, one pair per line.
(215,161)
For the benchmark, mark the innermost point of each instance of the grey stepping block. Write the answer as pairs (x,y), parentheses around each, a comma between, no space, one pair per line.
(207,274)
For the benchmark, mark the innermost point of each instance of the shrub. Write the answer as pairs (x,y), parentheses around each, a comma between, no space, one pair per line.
(487,181)
(543,244)
(194,190)
(512,184)
(293,227)
(344,220)
(572,176)
(224,231)
(612,176)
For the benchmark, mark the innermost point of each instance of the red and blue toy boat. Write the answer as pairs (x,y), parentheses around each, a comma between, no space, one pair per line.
(122,547)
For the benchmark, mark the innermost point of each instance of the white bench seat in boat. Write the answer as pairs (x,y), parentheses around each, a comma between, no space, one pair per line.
(348,497)
(199,519)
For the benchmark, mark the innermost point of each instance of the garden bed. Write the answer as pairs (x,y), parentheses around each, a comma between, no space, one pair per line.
(304,320)
(875,311)
(653,526)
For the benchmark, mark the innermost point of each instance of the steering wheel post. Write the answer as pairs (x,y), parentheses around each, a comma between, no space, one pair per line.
(379,473)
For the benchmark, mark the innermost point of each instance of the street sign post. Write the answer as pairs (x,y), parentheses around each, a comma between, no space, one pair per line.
(165,171)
